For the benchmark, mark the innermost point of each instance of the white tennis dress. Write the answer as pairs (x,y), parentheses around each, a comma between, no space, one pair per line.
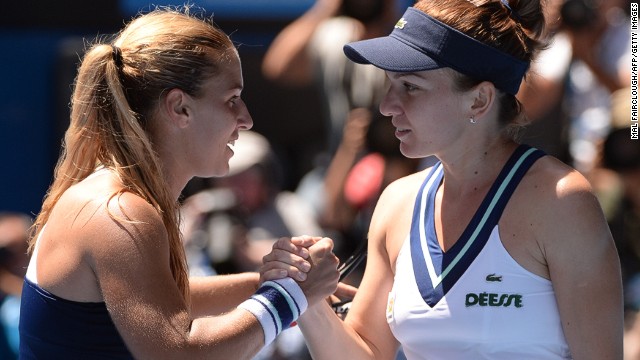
(474,301)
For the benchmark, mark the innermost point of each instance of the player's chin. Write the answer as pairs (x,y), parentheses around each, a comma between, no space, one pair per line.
(408,151)
(217,170)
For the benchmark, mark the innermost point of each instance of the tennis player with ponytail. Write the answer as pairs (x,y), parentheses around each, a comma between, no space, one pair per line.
(496,252)
(108,279)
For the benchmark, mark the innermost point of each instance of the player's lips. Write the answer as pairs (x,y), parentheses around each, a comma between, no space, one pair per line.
(401,132)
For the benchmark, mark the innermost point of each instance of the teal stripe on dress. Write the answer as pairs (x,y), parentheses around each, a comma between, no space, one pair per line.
(485,216)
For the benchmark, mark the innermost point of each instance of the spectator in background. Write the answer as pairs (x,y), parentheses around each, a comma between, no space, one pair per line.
(236,220)
(366,161)
(599,35)
(14,229)
(622,155)
(543,94)
(567,95)
(617,178)
(232,224)
(308,52)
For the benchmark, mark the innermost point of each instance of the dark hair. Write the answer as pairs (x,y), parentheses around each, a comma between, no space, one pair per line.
(514,30)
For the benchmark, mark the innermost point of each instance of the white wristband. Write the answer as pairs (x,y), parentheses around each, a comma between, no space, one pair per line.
(276,305)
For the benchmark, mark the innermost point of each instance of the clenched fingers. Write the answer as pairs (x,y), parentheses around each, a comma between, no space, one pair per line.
(305,240)
(287,258)
(322,248)
(295,245)
(276,270)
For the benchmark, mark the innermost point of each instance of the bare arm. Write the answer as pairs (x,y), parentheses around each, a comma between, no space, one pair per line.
(585,271)
(365,333)
(287,58)
(228,290)
(132,268)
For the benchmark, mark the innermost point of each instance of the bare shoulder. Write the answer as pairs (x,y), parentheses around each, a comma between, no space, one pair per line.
(397,196)
(131,220)
(561,207)
(559,188)
(122,238)
(105,218)
(392,216)
(402,189)
(94,231)
(102,226)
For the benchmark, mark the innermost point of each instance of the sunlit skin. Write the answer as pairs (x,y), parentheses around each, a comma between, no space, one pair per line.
(193,137)
(205,126)
(419,104)
(552,213)
(431,117)
(92,251)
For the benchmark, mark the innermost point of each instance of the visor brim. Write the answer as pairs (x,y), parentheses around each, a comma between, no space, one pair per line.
(391,54)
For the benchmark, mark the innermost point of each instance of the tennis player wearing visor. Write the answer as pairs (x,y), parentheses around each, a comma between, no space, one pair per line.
(496,252)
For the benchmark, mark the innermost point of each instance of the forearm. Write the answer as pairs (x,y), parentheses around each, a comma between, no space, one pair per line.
(227,290)
(236,335)
(337,213)
(166,329)
(321,326)
(338,170)
(255,322)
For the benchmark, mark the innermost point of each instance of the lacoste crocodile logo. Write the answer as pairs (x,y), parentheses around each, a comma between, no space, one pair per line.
(401,23)
(494,278)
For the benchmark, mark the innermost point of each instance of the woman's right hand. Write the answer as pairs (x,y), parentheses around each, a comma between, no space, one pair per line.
(308,260)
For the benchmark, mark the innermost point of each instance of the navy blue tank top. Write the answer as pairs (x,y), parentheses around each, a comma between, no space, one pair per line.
(55,328)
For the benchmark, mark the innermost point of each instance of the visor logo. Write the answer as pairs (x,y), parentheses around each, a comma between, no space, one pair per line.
(401,23)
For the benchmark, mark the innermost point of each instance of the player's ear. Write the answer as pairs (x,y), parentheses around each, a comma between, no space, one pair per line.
(176,104)
(483,97)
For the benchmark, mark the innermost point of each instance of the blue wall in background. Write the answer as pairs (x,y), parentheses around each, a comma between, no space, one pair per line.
(237,9)
(26,122)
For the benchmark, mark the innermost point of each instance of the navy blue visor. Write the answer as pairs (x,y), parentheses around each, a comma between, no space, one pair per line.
(420,42)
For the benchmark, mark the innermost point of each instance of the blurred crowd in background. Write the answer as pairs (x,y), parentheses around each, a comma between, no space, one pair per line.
(320,152)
